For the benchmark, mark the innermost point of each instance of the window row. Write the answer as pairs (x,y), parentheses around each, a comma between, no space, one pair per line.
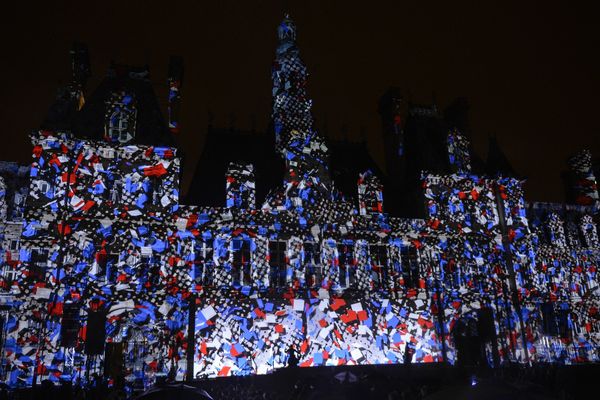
(402,268)
(382,268)
(111,188)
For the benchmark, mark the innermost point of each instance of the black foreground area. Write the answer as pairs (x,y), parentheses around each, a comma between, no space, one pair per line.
(427,382)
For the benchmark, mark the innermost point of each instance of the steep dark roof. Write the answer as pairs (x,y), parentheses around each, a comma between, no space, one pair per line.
(497,162)
(151,128)
(223,146)
(347,160)
(62,112)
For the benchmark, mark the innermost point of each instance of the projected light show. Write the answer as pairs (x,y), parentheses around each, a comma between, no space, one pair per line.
(108,272)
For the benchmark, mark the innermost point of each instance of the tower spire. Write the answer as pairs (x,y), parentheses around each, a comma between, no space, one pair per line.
(296,139)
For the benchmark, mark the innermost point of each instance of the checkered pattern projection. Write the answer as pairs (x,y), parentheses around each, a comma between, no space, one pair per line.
(302,148)
(110,269)
(458,151)
(95,235)
(489,242)
(586,186)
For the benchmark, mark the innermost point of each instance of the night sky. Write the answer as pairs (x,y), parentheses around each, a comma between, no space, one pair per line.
(530,70)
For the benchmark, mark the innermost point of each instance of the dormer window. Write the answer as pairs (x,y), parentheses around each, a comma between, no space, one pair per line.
(120,117)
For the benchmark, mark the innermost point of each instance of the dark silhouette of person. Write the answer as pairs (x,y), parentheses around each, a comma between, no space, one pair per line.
(292,358)
(409,351)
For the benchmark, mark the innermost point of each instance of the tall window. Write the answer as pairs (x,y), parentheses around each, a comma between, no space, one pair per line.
(198,261)
(277,262)
(114,188)
(9,274)
(38,264)
(203,264)
(153,274)
(555,322)
(346,265)
(379,264)
(108,266)
(409,262)
(19,205)
(112,267)
(119,126)
(69,325)
(156,190)
(452,273)
(242,274)
(313,268)
(14,245)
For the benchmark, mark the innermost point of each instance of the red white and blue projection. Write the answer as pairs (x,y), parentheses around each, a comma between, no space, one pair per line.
(110,266)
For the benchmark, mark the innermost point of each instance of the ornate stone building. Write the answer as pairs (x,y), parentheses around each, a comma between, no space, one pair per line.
(113,275)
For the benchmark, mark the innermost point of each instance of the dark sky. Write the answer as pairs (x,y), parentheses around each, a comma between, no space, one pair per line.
(530,69)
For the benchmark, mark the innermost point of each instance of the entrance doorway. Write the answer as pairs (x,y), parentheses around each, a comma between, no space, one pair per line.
(474,338)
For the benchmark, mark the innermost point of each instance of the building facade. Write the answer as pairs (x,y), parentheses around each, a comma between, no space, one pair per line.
(111,275)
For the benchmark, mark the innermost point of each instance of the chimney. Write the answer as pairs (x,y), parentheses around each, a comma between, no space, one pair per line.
(370,194)
(175,80)
(583,184)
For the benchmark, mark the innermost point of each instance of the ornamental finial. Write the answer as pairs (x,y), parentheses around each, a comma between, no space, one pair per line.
(287,29)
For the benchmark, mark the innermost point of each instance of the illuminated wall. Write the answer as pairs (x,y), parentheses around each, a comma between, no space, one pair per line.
(95,220)
(104,238)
